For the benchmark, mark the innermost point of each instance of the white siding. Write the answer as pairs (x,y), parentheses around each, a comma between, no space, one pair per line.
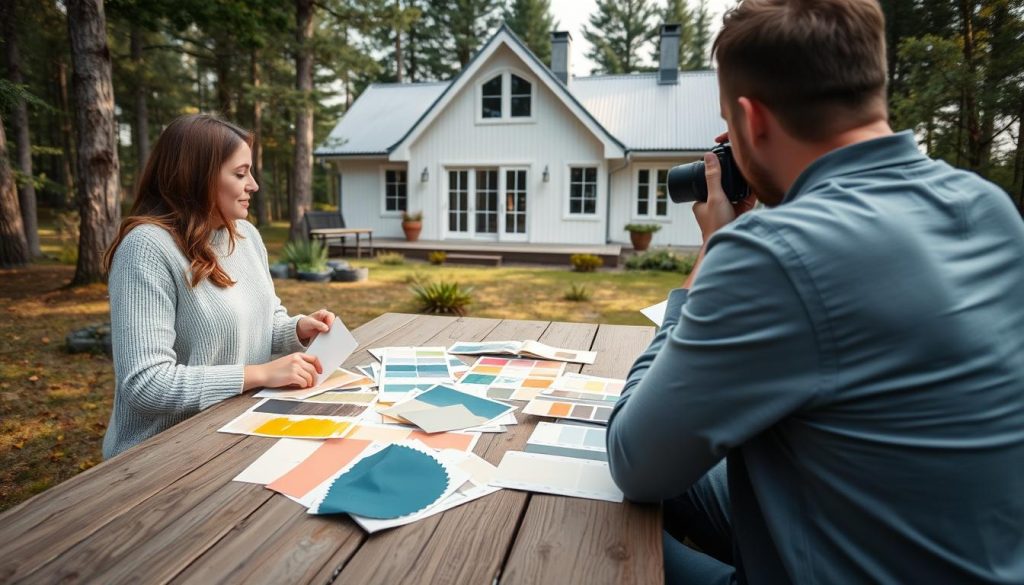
(678,229)
(362,193)
(554,140)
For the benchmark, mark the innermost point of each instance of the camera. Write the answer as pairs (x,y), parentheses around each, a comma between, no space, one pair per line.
(687,183)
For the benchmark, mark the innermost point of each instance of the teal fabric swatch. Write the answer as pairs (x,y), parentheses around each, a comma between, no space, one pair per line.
(444,396)
(394,482)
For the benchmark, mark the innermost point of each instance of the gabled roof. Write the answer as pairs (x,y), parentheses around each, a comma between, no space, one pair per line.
(624,112)
(379,118)
(646,115)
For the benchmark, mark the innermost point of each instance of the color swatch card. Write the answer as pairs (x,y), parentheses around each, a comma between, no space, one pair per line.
(551,474)
(406,369)
(442,408)
(295,419)
(461,441)
(656,313)
(332,348)
(510,373)
(584,410)
(278,460)
(528,348)
(582,387)
(456,365)
(340,379)
(568,440)
(345,397)
(371,371)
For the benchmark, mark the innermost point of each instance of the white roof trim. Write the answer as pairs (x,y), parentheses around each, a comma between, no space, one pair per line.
(612,147)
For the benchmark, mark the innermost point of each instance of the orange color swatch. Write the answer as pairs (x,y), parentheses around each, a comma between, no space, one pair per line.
(443,440)
(559,409)
(536,383)
(327,460)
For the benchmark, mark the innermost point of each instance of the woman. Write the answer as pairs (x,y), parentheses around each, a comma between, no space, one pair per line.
(193,311)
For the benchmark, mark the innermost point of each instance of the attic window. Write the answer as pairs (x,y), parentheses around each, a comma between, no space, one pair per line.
(491,98)
(520,97)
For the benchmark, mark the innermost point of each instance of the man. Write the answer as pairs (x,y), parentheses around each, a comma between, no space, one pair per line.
(839,398)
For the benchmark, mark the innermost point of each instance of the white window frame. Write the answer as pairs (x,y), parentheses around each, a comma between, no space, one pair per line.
(567,215)
(506,97)
(470,165)
(651,193)
(384,212)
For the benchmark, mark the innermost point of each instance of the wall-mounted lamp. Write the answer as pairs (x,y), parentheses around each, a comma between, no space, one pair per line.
(424,176)
(547,175)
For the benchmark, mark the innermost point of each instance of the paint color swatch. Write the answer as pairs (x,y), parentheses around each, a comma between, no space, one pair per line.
(327,460)
(345,397)
(576,410)
(279,459)
(563,476)
(275,406)
(406,369)
(568,440)
(491,372)
(332,348)
(463,441)
(584,384)
(265,424)
(442,408)
(528,348)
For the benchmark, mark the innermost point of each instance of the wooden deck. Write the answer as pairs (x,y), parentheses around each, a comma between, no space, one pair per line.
(167,510)
(510,252)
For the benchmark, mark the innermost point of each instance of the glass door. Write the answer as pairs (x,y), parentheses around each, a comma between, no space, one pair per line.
(486,200)
(458,202)
(514,224)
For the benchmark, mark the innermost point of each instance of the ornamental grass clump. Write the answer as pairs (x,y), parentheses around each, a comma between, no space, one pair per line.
(442,297)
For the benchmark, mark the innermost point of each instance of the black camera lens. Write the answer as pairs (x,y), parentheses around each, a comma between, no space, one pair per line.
(687,182)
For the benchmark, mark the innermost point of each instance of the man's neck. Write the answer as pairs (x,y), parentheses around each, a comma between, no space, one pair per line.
(802,154)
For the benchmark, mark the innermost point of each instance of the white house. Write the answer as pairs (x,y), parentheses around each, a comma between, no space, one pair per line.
(511,150)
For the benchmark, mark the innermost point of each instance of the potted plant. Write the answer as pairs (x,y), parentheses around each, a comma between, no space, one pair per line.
(309,259)
(412,224)
(640,234)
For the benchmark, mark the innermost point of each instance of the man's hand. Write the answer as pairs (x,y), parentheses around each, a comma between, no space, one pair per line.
(718,210)
(310,326)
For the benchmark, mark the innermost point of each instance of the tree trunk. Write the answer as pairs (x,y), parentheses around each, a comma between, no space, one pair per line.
(22,139)
(1018,161)
(303,163)
(98,192)
(222,64)
(66,133)
(141,104)
(261,207)
(970,99)
(13,247)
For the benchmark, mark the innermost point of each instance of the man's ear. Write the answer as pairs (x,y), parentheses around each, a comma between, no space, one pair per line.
(755,118)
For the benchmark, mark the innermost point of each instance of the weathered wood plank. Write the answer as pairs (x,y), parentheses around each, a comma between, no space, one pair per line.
(303,544)
(622,542)
(38,530)
(468,544)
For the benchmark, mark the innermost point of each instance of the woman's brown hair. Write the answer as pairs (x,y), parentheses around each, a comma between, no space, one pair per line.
(178,191)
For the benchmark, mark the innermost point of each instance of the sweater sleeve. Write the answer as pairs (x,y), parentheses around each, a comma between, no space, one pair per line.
(143,320)
(285,339)
(734,356)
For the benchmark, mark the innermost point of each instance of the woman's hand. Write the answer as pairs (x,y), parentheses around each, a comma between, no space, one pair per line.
(310,326)
(298,370)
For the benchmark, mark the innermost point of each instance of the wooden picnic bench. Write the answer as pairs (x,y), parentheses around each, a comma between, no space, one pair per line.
(167,511)
(329,227)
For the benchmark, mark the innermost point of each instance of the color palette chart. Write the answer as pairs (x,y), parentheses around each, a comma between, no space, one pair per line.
(509,373)
(551,474)
(571,409)
(582,387)
(405,369)
(569,440)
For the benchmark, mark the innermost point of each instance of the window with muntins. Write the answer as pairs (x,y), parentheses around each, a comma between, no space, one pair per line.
(583,190)
(520,97)
(395,190)
(490,100)
(652,193)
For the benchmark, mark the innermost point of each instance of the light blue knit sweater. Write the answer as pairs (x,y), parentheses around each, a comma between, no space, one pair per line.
(178,349)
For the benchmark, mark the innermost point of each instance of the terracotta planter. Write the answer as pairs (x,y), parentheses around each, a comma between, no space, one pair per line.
(641,240)
(412,230)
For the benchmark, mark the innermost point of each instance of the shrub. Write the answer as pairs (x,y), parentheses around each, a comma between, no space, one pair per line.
(577,293)
(391,258)
(442,297)
(416,277)
(305,255)
(665,260)
(585,262)
(437,258)
(408,216)
(643,228)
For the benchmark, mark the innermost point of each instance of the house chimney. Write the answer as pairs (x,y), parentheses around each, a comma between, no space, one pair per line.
(668,66)
(561,55)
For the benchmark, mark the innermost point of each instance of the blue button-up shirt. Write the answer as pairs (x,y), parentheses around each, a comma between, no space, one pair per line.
(857,354)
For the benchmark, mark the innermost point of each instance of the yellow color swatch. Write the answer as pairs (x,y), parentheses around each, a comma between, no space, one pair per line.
(318,428)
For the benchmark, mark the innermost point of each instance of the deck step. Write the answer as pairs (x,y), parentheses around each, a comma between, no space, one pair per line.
(474,258)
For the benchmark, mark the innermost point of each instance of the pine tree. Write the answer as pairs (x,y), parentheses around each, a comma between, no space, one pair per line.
(618,31)
(677,12)
(700,40)
(456,29)
(533,22)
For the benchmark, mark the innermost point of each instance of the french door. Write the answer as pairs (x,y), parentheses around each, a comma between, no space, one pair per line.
(487,203)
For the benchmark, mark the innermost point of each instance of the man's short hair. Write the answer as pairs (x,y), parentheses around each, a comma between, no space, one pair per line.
(818,65)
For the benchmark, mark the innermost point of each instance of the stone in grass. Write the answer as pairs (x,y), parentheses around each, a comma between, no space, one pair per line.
(94,339)
(351,275)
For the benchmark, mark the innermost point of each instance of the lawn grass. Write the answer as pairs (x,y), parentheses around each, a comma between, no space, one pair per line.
(54,406)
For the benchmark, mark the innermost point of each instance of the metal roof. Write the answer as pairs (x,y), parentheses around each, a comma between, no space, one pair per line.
(380,117)
(635,109)
(645,115)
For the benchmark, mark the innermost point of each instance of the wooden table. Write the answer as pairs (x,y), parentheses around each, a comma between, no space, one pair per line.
(167,510)
(323,234)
